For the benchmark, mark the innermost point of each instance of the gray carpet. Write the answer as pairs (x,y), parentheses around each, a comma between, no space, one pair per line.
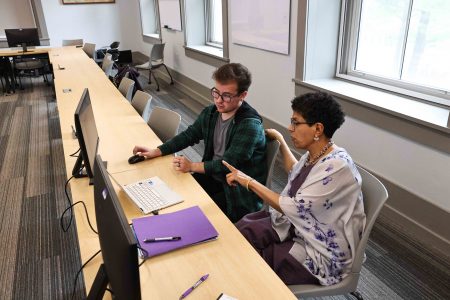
(38,260)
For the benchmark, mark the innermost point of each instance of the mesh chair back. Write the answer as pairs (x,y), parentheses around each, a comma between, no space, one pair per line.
(271,156)
(374,195)
(164,123)
(89,49)
(108,56)
(126,88)
(141,102)
(76,42)
(157,54)
(107,66)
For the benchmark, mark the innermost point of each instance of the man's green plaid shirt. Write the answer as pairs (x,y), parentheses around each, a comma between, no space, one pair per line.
(245,149)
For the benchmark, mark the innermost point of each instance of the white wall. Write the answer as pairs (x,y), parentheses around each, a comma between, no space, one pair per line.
(416,168)
(94,23)
(174,55)
(272,88)
(272,72)
(15,14)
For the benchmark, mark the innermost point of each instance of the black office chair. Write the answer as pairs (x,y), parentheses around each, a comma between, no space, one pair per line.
(113,49)
(30,67)
(156,60)
(6,74)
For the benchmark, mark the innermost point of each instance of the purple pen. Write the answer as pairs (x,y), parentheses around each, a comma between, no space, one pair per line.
(189,290)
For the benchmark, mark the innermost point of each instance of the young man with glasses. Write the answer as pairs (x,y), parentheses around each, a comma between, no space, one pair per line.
(232,131)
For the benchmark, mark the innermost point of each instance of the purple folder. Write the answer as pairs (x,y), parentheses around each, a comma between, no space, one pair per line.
(190,224)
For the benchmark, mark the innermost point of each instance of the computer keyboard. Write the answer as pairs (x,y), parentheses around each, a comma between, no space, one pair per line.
(147,198)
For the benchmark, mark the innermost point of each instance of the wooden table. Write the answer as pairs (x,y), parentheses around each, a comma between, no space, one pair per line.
(18,52)
(235,268)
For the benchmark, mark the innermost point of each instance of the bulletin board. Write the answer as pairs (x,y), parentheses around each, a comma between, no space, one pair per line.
(262,24)
(170,14)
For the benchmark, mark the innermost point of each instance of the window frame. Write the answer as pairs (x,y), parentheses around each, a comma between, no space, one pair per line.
(39,20)
(346,59)
(151,37)
(209,19)
(195,36)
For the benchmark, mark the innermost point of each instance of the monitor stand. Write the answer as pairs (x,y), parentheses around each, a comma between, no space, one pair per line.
(79,170)
(24,47)
(99,285)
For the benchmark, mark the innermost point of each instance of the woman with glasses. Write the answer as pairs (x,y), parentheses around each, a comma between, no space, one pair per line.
(311,230)
(231,130)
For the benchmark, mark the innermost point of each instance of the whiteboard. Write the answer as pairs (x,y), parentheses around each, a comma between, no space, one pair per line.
(262,24)
(170,14)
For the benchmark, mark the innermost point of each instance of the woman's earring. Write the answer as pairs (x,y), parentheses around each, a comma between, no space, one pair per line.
(316,138)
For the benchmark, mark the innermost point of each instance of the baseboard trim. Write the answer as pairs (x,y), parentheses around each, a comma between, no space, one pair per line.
(415,231)
(418,218)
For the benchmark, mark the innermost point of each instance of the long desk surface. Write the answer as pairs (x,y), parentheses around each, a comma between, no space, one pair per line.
(235,268)
(18,52)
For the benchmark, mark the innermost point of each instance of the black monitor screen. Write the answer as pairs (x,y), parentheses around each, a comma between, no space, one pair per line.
(117,241)
(17,37)
(125,57)
(87,135)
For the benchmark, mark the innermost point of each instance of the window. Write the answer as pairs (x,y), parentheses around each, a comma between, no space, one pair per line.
(150,20)
(214,35)
(206,31)
(16,14)
(23,14)
(399,45)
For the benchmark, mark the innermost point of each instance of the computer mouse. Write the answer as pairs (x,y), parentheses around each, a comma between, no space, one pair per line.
(135,159)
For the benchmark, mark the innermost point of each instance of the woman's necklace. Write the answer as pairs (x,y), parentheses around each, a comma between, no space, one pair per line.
(310,161)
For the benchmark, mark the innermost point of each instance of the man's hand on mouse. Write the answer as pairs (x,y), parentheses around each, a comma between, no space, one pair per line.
(147,152)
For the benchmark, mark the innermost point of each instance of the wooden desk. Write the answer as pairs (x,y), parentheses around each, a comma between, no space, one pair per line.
(235,268)
(18,52)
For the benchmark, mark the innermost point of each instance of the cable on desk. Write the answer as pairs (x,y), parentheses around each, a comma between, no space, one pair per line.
(70,208)
(75,153)
(144,253)
(112,293)
(79,271)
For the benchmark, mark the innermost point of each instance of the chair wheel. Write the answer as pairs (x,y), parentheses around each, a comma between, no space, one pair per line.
(357,295)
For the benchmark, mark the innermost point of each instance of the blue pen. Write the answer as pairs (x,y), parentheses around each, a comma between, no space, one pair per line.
(189,290)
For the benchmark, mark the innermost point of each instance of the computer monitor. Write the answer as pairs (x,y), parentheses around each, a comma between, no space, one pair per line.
(125,57)
(87,136)
(22,37)
(120,266)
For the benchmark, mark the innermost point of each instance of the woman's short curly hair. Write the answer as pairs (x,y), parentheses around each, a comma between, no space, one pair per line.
(320,108)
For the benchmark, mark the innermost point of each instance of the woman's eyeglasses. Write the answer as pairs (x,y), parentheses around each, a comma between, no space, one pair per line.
(295,123)
(226,97)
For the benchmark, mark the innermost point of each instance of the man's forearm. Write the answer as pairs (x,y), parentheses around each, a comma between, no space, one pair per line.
(198,167)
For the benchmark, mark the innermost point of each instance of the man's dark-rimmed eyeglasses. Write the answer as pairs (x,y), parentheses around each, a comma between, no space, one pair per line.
(226,97)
